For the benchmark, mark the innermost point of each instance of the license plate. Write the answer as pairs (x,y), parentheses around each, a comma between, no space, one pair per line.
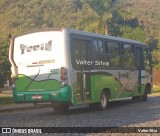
(38,97)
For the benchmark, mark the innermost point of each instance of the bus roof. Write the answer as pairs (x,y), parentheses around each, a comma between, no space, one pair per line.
(86,34)
(39,30)
(103,36)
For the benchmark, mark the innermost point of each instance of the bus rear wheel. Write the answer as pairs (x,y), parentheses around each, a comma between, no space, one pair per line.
(104,101)
(60,107)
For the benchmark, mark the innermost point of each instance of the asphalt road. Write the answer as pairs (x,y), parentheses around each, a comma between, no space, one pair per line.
(126,113)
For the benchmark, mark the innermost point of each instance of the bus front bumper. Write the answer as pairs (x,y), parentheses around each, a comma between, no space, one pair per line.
(61,95)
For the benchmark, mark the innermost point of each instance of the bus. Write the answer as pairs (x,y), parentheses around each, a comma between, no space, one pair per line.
(68,67)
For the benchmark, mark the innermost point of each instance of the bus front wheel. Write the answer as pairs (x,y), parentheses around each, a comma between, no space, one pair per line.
(60,107)
(146,92)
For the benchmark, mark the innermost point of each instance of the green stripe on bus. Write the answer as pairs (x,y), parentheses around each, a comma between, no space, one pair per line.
(24,83)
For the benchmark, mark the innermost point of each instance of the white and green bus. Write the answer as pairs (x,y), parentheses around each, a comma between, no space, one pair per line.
(69,68)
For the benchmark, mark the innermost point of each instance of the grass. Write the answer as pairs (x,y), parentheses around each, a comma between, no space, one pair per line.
(6,99)
(156,88)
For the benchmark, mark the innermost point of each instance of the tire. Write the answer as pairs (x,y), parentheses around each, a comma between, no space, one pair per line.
(104,101)
(60,107)
(140,98)
(146,92)
(137,98)
(144,97)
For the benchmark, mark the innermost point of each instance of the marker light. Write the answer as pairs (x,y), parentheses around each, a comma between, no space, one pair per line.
(63,76)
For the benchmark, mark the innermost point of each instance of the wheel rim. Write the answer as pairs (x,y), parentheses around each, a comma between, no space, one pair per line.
(103,101)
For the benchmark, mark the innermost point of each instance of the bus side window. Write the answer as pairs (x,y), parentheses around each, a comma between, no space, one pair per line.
(113,54)
(139,58)
(99,52)
(76,53)
(85,53)
(98,46)
(129,61)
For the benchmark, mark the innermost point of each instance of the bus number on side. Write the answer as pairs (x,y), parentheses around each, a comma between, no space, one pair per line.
(54,71)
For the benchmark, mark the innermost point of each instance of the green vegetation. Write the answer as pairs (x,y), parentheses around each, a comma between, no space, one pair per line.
(114,17)
(148,15)
(156,88)
(5,100)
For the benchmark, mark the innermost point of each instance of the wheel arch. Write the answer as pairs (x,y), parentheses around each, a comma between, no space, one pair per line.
(107,90)
(148,88)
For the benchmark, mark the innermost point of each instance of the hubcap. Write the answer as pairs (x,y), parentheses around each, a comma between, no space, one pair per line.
(103,100)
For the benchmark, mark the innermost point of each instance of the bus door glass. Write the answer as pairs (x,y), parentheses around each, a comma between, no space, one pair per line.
(140,65)
(82,64)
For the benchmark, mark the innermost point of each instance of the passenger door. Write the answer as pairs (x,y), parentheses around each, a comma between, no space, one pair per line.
(82,58)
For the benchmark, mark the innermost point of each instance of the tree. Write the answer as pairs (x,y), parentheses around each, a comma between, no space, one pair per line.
(136,33)
(102,8)
(4,63)
(99,16)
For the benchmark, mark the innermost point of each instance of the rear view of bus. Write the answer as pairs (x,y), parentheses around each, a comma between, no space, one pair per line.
(39,68)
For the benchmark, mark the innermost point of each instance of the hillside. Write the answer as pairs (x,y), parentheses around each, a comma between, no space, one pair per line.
(147,13)
(136,19)
(79,14)
(32,14)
